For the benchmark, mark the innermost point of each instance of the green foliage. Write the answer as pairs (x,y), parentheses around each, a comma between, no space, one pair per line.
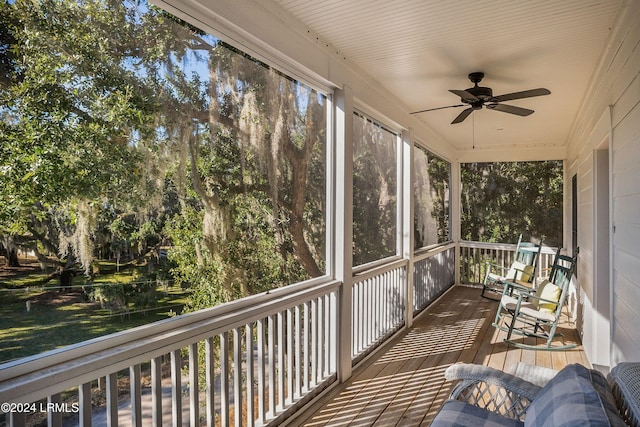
(502,200)
(71,111)
(189,254)
(136,292)
(267,262)
(124,128)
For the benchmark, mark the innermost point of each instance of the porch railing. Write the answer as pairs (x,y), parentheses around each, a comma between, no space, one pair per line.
(249,362)
(433,273)
(378,300)
(260,356)
(475,255)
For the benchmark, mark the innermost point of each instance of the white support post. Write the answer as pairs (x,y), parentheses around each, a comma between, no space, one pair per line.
(194,404)
(290,331)
(306,359)
(17,419)
(112,399)
(330,233)
(156,391)
(250,374)
(237,378)
(210,373)
(55,417)
(176,388)
(281,363)
(343,240)
(262,360)
(84,398)
(135,387)
(225,396)
(406,220)
(313,369)
(271,352)
(455,213)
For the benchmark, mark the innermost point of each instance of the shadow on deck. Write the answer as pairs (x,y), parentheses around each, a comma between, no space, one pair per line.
(403,385)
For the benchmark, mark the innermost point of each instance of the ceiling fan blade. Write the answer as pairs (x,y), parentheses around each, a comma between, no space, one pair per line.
(462,116)
(518,111)
(519,95)
(464,95)
(438,108)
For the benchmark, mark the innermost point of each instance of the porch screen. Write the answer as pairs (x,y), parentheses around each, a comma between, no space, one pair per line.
(375,208)
(139,139)
(431,218)
(502,200)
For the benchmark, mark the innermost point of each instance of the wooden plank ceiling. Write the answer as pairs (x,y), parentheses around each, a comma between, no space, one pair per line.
(419,49)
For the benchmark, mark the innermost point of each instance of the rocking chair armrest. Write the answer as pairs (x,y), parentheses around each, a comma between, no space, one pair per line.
(471,374)
(490,265)
(510,286)
(521,270)
(539,298)
(505,271)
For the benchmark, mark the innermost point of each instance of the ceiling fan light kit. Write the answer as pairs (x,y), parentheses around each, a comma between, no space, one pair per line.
(476,97)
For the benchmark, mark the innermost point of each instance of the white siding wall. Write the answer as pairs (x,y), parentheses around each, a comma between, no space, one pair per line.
(612,113)
(626,220)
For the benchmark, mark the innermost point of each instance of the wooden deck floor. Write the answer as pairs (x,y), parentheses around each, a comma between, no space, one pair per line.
(405,386)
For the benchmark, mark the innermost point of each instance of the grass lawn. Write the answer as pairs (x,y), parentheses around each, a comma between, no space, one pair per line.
(57,319)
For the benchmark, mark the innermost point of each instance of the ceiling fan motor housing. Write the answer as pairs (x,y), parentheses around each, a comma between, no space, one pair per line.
(482,93)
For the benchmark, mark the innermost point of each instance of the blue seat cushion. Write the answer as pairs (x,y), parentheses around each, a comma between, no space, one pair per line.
(576,396)
(455,413)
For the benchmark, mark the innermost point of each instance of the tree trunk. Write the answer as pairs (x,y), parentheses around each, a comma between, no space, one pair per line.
(12,258)
(299,160)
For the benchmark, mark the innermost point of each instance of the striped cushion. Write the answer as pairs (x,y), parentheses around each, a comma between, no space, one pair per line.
(577,396)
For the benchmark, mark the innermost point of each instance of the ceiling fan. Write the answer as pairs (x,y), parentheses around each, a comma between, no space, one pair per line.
(477,97)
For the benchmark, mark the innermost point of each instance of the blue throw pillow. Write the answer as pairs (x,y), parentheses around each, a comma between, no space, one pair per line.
(576,396)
